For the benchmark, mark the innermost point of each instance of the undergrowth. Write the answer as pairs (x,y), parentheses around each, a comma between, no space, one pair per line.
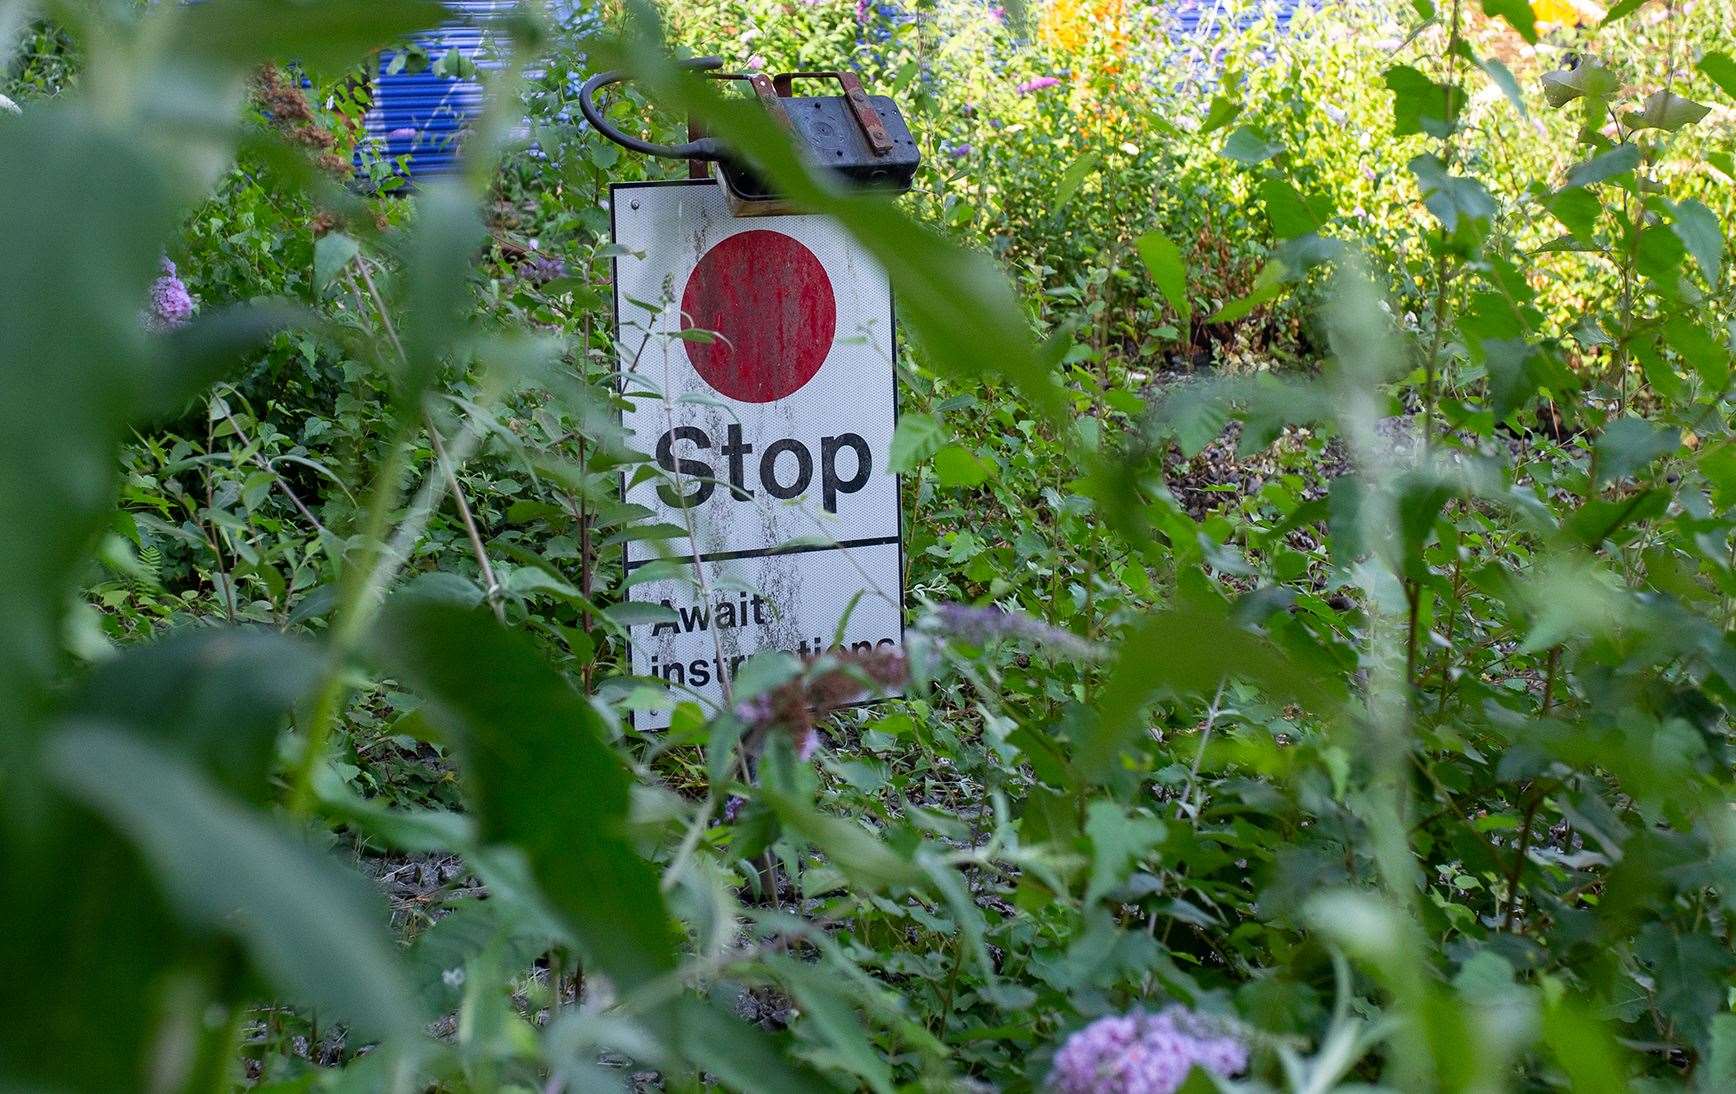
(1318,487)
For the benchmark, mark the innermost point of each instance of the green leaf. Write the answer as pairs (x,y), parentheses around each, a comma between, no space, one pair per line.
(964,910)
(418,831)
(1189,650)
(916,438)
(1577,210)
(1621,10)
(1290,213)
(1703,352)
(1118,841)
(1667,111)
(739,1055)
(189,359)
(1512,375)
(1196,414)
(1420,498)
(1421,105)
(438,297)
(958,467)
(217,693)
(1464,208)
(833,1014)
(1168,268)
(1074,177)
(492,929)
(1659,255)
(1719,1070)
(326,35)
(1590,78)
(441,585)
(637,613)
(1601,518)
(542,777)
(1619,160)
(1518,15)
(861,856)
(1268,286)
(1502,77)
(1698,229)
(1720,68)
(331,253)
(1585,1049)
(1249,147)
(1628,444)
(314,928)
(72,299)
(1222,111)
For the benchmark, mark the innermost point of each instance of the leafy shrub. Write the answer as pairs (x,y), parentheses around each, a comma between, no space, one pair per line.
(1367,698)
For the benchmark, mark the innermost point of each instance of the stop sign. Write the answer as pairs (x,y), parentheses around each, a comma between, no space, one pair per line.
(757,362)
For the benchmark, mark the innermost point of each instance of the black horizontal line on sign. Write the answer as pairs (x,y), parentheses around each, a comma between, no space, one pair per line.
(766,552)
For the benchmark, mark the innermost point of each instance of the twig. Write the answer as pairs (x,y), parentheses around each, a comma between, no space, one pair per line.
(277,476)
(1212,713)
(491,587)
(1518,871)
(1447,656)
(213,535)
(1549,679)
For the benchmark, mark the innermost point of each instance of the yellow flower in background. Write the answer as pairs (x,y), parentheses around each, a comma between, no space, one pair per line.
(1562,13)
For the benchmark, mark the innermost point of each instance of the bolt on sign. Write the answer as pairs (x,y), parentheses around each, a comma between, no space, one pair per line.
(756,358)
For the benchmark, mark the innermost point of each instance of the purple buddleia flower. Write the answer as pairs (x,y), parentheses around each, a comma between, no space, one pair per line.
(959,151)
(540,269)
(769,710)
(1215,1045)
(984,624)
(757,711)
(171,305)
(1143,1053)
(1038,83)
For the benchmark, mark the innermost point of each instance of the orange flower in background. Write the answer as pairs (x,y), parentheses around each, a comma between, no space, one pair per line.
(1065,24)
(1094,36)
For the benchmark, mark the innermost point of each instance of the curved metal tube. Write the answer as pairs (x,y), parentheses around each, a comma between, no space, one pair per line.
(705,148)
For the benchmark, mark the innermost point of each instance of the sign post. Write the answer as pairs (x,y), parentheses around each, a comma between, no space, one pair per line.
(757,359)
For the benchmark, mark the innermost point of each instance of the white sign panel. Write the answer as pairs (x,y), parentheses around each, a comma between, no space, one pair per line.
(757,358)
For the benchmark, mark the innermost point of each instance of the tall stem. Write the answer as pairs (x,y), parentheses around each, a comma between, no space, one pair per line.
(1443,275)
(1447,656)
(490,585)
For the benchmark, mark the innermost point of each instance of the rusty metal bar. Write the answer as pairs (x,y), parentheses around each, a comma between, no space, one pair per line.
(879,141)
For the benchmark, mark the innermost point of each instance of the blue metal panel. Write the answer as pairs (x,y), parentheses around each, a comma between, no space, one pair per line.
(1214,18)
(424,116)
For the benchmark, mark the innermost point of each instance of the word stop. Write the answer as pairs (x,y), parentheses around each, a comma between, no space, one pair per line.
(785,471)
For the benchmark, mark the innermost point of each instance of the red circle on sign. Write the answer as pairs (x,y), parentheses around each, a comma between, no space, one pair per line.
(769,301)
